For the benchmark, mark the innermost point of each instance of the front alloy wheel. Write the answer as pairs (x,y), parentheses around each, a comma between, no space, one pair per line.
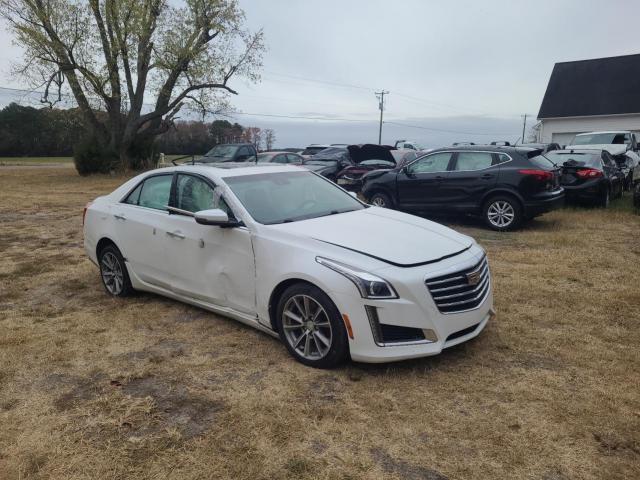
(311,326)
(306,327)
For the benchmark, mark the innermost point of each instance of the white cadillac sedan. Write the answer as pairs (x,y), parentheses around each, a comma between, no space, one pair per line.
(290,253)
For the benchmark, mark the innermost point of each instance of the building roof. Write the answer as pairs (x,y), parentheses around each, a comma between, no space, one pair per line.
(601,86)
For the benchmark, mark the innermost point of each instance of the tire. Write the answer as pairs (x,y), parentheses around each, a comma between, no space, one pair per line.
(502,213)
(311,327)
(113,272)
(381,200)
(605,199)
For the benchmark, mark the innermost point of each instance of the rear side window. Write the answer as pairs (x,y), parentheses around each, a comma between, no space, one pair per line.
(436,162)
(502,158)
(470,161)
(293,158)
(155,192)
(133,197)
(279,159)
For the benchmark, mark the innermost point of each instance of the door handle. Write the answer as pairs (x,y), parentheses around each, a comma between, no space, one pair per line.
(119,216)
(176,234)
(439,177)
(487,176)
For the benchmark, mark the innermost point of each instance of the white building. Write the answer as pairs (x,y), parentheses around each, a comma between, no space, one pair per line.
(589,95)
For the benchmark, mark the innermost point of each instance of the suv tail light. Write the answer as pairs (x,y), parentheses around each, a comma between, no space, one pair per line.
(541,175)
(589,173)
(84,212)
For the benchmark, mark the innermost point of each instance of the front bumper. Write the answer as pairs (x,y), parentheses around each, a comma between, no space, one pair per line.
(414,309)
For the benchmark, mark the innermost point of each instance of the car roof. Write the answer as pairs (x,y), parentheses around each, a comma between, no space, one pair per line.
(577,150)
(224,170)
(603,131)
(483,148)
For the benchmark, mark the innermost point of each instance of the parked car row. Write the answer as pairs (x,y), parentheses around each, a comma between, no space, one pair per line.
(505,184)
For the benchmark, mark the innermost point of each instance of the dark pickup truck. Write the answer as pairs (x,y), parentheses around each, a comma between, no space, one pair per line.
(230,152)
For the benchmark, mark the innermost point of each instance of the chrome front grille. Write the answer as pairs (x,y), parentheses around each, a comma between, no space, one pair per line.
(461,291)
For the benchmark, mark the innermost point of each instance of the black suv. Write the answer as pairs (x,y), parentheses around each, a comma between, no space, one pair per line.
(506,185)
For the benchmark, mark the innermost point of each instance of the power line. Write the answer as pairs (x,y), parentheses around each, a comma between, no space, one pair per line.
(446,131)
(302,117)
(324,82)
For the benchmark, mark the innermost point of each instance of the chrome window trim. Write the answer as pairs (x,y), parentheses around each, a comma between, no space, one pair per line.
(461,151)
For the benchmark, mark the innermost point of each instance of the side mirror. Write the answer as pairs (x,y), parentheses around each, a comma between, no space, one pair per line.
(215,217)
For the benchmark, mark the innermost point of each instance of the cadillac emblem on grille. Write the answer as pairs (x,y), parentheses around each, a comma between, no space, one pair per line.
(473,278)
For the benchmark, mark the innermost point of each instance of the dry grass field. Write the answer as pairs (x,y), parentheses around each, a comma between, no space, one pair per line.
(148,388)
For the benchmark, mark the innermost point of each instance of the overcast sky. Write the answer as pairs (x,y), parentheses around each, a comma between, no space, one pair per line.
(457,68)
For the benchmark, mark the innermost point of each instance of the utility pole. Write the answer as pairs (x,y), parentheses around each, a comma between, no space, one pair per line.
(524,127)
(380,96)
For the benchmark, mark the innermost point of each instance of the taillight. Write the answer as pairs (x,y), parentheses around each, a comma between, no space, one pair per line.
(589,173)
(84,212)
(542,175)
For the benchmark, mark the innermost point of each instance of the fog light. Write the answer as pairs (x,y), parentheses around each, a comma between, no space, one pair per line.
(430,335)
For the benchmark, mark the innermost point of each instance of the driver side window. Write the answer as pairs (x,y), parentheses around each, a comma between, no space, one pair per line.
(193,194)
(438,162)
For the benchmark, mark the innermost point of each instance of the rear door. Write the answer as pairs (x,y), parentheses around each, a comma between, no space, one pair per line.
(140,223)
(419,182)
(472,175)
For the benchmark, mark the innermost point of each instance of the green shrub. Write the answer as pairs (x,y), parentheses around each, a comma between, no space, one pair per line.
(90,155)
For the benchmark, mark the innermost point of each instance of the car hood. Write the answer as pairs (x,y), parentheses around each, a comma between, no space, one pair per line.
(368,151)
(392,237)
(613,149)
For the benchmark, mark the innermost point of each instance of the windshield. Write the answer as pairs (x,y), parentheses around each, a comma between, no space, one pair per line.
(329,155)
(312,150)
(283,197)
(583,158)
(222,152)
(602,139)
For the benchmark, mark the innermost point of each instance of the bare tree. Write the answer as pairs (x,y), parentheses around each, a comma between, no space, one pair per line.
(253,135)
(115,55)
(269,138)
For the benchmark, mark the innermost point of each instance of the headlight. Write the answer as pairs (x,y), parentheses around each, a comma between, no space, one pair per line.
(369,285)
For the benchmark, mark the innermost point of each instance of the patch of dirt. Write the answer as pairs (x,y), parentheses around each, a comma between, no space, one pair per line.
(538,362)
(405,470)
(611,444)
(159,352)
(175,406)
(85,389)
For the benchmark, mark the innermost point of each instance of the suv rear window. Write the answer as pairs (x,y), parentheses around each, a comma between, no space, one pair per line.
(543,162)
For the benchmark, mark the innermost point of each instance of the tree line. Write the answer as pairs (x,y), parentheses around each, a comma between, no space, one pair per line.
(53,132)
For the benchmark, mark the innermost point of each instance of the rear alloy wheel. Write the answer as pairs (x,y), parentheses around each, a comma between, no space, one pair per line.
(381,200)
(311,327)
(502,213)
(113,272)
